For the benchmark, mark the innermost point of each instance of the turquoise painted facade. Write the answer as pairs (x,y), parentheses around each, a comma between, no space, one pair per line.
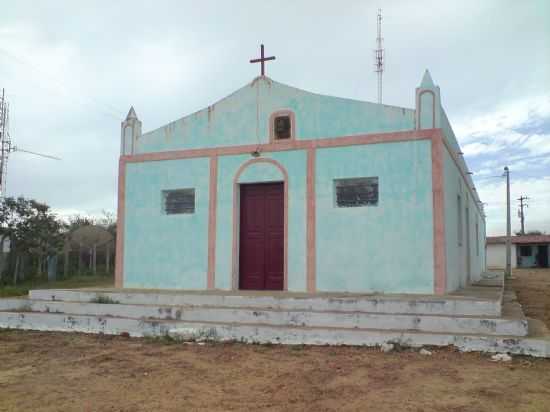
(389,247)
(165,251)
(383,248)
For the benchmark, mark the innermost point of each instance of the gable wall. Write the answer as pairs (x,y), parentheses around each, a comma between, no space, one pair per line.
(243,118)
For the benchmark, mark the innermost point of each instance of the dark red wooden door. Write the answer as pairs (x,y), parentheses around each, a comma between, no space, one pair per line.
(261,261)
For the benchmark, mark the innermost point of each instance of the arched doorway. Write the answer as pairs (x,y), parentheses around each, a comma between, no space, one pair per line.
(260,226)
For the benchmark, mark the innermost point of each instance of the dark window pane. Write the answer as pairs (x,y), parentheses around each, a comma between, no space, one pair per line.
(282,127)
(362,191)
(179,201)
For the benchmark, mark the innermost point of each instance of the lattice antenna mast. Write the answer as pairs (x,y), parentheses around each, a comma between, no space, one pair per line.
(6,146)
(379,55)
(5,142)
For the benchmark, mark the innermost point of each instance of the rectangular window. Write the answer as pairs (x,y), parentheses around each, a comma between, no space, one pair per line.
(459,219)
(178,201)
(356,192)
(525,250)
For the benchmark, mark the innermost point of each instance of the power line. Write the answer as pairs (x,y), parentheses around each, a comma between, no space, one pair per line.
(6,145)
(106,109)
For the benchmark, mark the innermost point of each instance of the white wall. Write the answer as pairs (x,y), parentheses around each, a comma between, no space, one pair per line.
(496,256)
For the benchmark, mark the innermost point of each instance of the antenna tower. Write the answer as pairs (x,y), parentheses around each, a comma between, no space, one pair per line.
(5,142)
(6,146)
(379,55)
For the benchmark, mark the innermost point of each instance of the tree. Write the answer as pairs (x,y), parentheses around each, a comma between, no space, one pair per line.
(530,233)
(33,231)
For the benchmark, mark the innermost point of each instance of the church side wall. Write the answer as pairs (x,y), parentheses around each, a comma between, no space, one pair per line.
(165,251)
(383,248)
(460,224)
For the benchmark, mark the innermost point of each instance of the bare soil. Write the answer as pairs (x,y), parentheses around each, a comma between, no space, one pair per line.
(75,372)
(532,287)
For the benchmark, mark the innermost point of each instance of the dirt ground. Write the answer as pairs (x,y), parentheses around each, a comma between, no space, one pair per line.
(532,287)
(76,372)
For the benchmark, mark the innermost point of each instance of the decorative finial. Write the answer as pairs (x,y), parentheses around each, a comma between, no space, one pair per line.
(131,114)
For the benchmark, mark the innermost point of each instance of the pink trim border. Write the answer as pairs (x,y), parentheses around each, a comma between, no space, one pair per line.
(439,244)
(119,258)
(212,215)
(311,281)
(310,145)
(236,209)
(280,146)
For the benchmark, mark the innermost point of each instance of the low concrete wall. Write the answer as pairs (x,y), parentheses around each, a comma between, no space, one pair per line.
(269,334)
(496,256)
(280,317)
(409,304)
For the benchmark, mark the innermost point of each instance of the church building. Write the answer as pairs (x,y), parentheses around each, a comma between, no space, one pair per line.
(276,188)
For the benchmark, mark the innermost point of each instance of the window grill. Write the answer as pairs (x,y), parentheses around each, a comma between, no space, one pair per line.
(356,192)
(178,201)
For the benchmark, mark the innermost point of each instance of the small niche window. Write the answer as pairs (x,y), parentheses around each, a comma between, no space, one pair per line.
(282,127)
(178,201)
(356,192)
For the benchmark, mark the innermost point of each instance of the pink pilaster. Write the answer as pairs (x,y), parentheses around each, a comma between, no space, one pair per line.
(311,248)
(212,206)
(119,259)
(440,259)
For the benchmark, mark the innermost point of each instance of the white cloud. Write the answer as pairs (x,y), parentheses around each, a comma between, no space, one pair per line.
(73,79)
(500,122)
(537,144)
(479,148)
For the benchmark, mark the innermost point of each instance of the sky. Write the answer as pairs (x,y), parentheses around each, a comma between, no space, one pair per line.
(72,69)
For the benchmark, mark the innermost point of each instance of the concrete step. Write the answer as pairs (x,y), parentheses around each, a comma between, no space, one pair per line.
(375,303)
(281,317)
(262,333)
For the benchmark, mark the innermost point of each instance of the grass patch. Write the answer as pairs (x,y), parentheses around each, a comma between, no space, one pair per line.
(7,291)
(104,299)
(74,282)
(162,339)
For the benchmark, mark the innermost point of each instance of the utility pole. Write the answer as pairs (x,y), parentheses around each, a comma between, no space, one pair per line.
(522,199)
(508,272)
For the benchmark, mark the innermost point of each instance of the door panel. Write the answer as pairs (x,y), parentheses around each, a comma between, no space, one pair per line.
(261,260)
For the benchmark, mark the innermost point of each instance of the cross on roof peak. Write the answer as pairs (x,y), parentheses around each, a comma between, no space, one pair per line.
(262,60)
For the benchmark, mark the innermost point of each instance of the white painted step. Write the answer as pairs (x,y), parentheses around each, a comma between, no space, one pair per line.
(271,334)
(411,304)
(280,317)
